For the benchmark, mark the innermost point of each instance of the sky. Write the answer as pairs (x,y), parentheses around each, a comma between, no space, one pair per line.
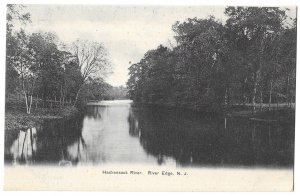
(126,31)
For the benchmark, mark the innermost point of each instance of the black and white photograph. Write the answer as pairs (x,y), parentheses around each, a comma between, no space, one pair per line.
(174,97)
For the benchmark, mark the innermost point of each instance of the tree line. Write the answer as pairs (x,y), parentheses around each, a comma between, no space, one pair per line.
(40,65)
(251,59)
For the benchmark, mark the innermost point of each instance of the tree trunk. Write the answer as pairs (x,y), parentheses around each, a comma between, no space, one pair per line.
(225,101)
(61,95)
(287,89)
(25,95)
(76,98)
(44,101)
(261,99)
(23,145)
(30,104)
(36,101)
(270,95)
(208,86)
(31,142)
(254,92)
(245,99)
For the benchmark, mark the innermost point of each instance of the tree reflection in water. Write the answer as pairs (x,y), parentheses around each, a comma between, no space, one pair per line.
(193,140)
(122,134)
(77,151)
(133,124)
(23,148)
(44,144)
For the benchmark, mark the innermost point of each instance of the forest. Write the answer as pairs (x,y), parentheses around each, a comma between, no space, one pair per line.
(42,70)
(249,60)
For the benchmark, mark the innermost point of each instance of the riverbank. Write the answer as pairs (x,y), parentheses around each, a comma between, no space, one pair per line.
(286,115)
(281,114)
(16,118)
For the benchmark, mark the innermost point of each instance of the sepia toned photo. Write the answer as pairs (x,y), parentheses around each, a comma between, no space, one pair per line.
(150,98)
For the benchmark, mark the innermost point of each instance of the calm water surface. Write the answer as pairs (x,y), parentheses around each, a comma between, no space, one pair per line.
(115,132)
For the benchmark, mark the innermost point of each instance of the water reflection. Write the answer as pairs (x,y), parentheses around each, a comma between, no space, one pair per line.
(119,133)
(23,148)
(106,138)
(77,150)
(133,124)
(45,144)
(192,140)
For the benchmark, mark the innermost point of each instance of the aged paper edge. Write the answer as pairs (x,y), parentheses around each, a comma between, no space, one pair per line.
(92,178)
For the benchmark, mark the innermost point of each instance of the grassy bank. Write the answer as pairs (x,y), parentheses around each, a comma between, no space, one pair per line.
(16,118)
(282,113)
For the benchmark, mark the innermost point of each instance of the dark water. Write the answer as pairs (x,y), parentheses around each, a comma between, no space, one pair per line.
(117,133)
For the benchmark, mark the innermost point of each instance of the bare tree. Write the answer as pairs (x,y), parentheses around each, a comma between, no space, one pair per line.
(92,61)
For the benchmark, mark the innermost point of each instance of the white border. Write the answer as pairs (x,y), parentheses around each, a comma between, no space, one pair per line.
(141,2)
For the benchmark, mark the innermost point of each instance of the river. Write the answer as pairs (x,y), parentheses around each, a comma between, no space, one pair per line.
(115,132)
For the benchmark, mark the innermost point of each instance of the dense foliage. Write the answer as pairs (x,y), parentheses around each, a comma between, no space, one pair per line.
(250,59)
(39,65)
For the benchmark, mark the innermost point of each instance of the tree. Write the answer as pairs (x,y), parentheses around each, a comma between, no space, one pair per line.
(212,66)
(14,14)
(49,64)
(71,79)
(38,63)
(23,62)
(200,41)
(254,26)
(96,89)
(91,59)
(287,59)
